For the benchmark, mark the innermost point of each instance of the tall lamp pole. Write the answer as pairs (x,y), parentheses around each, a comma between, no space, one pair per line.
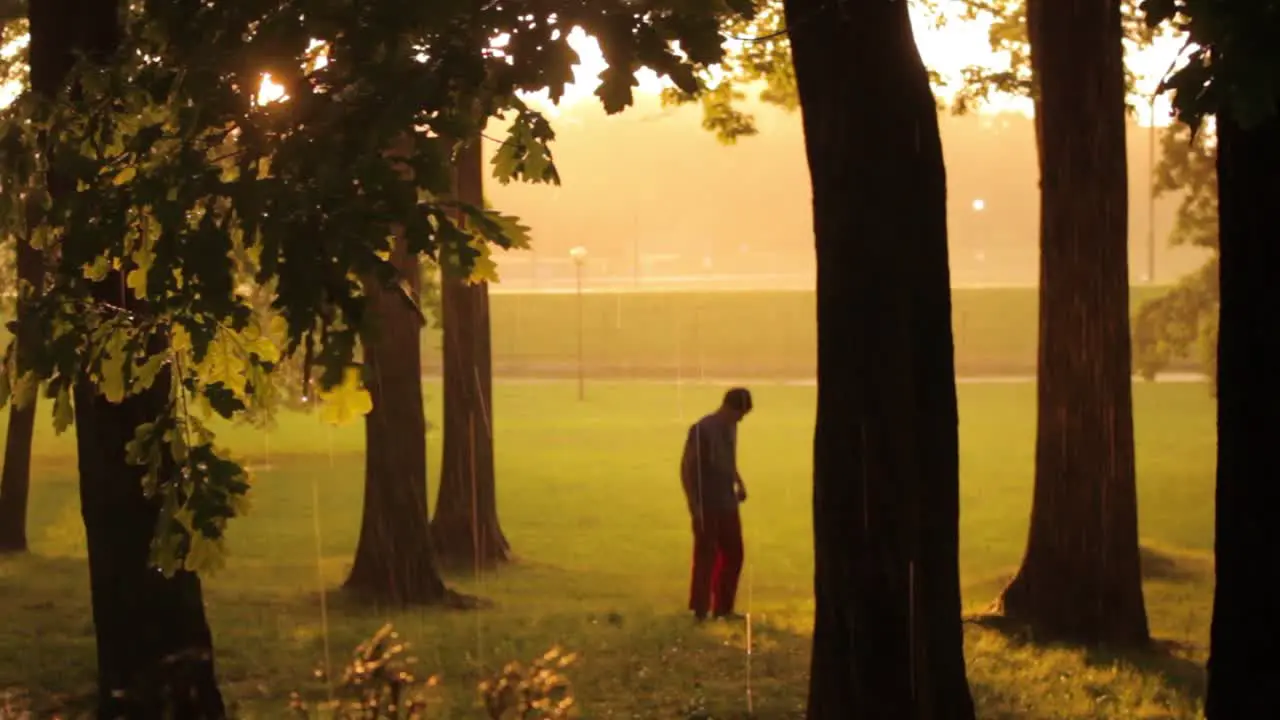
(579,256)
(1151,191)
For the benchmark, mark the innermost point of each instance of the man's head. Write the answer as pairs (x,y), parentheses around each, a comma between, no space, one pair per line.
(737,403)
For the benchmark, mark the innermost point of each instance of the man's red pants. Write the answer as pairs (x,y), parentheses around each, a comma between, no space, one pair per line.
(717,562)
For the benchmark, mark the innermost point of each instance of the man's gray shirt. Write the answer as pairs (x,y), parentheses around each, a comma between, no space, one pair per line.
(709,467)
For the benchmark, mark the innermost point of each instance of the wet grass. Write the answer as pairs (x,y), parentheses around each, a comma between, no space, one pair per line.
(589,500)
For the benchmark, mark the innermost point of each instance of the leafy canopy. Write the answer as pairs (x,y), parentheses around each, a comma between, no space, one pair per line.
(185,185)
(1186,317)
(1230,58)
(760,57)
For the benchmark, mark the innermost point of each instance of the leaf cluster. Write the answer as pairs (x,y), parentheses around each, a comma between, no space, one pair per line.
(1184,321)
(1230,59)
(166,190)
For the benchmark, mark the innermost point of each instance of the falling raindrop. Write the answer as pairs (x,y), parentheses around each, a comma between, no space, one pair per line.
(320,585)
(750,591)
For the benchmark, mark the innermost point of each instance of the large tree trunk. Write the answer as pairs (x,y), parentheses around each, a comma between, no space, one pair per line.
(395,561)
(15,480)
(1080,578)
(155,651)
(466,529)
(887,638)
(155,656)
(1246,627)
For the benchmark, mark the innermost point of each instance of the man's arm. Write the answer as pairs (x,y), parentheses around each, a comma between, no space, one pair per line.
(689,469)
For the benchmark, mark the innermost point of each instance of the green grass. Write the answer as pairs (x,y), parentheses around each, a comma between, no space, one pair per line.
(731,334)
(589,501)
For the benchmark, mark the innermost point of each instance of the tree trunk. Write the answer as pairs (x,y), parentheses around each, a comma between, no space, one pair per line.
(155,651)
(1080,578)
(1246,627)
(155,656)
(395,561)
(887,638)
(15,480)
(466,529)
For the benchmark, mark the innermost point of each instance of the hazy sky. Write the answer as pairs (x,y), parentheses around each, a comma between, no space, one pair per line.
(651,183)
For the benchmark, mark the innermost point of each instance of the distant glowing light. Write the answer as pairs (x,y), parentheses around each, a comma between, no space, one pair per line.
(270,91)
(979,205)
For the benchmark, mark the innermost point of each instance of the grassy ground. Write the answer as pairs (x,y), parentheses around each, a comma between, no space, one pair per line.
(589,501)
(730,334)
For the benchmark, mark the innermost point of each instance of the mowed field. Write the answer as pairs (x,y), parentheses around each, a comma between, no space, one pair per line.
(748,334)
(590,502)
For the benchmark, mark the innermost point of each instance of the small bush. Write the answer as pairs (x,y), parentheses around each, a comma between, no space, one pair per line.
(537,690)
(378,685)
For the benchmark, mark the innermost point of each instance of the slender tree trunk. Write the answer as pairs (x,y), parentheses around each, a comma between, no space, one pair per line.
(395,561)
(887,638)
(155,656)
(1246,627)
(466,528)
(1080,578)
(15,480)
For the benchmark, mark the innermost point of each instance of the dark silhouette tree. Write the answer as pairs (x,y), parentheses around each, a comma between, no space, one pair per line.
(1245,602)
(15,478)
(1233,75)
(28,277)
(1080,578)
(466,528)
(887,638)
(154,646)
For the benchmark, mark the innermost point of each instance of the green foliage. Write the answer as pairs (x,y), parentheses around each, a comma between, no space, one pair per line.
(192,191)
(1188,165)
(1184,320)
(1230,57)
(1008,38)
(761,57)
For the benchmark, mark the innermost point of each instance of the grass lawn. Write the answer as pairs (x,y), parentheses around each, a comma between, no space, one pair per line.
(762,333)
(589,499)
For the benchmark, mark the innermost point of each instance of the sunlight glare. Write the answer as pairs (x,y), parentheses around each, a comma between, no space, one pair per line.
(270,91)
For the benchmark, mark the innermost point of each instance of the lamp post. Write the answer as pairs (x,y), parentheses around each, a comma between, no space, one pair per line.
(579,257)
(1151,190)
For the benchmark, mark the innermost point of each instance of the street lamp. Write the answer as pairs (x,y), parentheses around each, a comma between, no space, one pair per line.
(1151,189)
(579,257)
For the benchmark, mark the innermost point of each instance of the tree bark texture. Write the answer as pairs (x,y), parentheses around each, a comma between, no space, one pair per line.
(1246,627)
(395,561)
(15,479)
(1080,578)
(887,638)
(155,650)
(467,532)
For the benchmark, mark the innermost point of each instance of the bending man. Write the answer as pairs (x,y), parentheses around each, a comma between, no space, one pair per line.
(713,489)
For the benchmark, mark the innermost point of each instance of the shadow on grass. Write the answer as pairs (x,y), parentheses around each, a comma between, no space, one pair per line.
(1162,565)
(1167,661)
